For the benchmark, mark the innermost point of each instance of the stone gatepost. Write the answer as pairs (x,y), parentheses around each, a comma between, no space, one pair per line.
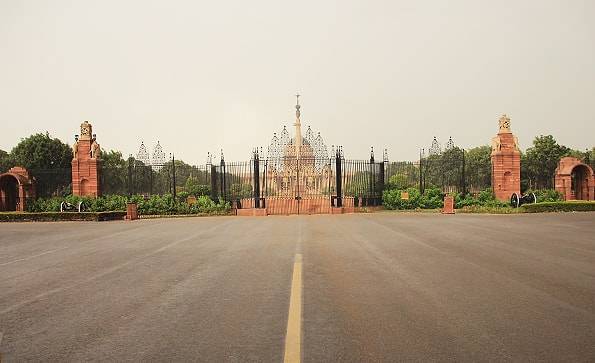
(86,163)
(506,162)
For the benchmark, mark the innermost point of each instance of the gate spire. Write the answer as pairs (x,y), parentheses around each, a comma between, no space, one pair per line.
(298,128)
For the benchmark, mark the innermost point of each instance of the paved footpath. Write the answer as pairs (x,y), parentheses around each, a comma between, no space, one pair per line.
(354,288)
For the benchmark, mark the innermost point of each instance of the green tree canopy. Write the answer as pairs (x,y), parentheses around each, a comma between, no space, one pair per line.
(4,161)
(114,173)
(402,175)
(478,167)
(444,170)
(41,151)
(539,163)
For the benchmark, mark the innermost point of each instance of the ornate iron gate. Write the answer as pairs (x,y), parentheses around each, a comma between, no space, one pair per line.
(298,186)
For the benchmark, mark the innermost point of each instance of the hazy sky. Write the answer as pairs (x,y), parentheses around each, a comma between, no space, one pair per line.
(200,76)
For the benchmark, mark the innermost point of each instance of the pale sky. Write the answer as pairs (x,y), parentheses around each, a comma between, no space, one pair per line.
(203,75)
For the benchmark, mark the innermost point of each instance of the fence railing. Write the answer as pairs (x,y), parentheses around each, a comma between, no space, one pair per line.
(250,182)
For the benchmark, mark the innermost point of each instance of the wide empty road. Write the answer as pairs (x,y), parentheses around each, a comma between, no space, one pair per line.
(354,288)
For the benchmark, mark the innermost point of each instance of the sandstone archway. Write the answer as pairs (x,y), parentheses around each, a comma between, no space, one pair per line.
(9,193)
(16,188)
(575,180)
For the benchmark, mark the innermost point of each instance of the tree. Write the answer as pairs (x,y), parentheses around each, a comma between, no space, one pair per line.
(5,163)
(478,167)
(590,157)
(42,152)
(539,163)
(48,159)
(402,175)
(443,170)
(114,173)
(194,186)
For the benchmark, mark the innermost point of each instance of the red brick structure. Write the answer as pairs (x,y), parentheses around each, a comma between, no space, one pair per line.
(86,164)
(575,180)
(506,162)
(131,211)
(449,205)
(17,187)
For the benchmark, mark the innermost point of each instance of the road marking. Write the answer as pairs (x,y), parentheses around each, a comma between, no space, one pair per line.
(293,338)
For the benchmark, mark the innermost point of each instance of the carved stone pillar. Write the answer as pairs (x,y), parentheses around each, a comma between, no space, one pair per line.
(506,162)
(86,164)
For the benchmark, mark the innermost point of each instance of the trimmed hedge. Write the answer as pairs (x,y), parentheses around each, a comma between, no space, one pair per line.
(574,206)
(57,216)
(432,199)
(154,205)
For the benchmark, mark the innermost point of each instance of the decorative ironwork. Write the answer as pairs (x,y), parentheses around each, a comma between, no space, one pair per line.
(283,147)
(143,155)
(297,165)
(450,144)
(159,157)
(435,148)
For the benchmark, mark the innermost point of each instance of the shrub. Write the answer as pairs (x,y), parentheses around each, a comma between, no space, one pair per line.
(484,198)
(468,200)
(546,195)
(154,205)
(391,199)
(574,206)
(431,199)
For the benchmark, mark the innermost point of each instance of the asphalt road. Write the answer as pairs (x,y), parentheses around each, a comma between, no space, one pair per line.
(374,287)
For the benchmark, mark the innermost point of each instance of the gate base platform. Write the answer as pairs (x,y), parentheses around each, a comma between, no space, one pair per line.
(252,212)
(262,212)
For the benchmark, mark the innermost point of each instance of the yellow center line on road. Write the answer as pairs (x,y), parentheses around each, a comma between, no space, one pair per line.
(293,338)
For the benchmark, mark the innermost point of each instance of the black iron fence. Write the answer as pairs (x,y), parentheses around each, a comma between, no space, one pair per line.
(249,183)
(450,171)
(336,178)
(52,182)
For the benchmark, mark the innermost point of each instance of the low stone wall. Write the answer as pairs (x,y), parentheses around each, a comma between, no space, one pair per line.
(61,216)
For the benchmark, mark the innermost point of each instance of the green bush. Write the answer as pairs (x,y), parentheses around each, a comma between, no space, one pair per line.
(547,195)
(194,187)
(485,198)
(431,199)
(391,199)
(574,206)
(154,205)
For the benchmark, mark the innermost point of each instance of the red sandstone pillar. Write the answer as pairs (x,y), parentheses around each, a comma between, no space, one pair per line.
(506,162)
(86,164)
